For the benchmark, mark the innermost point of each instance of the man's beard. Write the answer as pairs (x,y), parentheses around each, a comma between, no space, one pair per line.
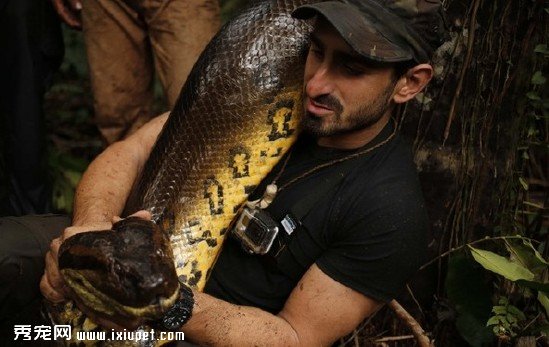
(365,117)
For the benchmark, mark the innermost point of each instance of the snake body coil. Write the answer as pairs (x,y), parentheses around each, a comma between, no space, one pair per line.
(235,117)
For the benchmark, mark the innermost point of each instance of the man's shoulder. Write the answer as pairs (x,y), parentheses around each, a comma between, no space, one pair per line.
(385,187)
(389,170)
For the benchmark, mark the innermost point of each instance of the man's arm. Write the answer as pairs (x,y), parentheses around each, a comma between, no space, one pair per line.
(318,311)
(106,184)
(101,195)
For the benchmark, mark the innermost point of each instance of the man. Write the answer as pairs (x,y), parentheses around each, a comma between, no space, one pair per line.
(127,41)
(359,243)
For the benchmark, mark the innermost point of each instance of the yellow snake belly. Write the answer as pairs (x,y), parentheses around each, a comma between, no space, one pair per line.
(236,116)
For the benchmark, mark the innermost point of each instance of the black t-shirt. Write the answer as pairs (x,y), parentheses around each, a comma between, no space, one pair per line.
(368,232)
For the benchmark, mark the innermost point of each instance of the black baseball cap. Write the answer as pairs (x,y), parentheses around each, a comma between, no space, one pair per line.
(384,30)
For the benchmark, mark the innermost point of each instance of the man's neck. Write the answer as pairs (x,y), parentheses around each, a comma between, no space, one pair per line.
(355,139)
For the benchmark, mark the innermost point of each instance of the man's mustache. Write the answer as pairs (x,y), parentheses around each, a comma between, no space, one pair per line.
(330,102)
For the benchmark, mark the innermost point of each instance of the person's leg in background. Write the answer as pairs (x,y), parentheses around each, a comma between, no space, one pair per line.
(24,242)
(32,49)
(121,66)
(179,31)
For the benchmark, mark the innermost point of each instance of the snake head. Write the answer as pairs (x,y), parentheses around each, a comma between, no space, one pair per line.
(124,272)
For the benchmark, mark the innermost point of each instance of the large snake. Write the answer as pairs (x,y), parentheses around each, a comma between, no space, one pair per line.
(236,116)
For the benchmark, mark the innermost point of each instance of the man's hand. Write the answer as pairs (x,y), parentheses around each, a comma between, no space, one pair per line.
(52,285)
(143,214)
(69,11)
(102,192)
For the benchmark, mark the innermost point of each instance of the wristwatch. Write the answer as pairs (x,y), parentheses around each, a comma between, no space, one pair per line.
(179,313)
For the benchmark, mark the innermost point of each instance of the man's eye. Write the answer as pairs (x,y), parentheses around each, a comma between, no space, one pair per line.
(317,52)
(353,70)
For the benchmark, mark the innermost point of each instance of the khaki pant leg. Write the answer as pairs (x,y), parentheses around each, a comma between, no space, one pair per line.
(179,31)
(121,66)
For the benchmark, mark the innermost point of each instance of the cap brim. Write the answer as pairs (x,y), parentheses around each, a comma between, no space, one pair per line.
(356,30)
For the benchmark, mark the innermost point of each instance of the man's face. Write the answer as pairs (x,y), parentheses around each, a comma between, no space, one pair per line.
(343,93)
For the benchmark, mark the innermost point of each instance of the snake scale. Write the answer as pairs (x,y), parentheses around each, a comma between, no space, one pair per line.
(236,116)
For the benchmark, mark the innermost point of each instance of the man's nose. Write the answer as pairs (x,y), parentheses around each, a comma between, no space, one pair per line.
(319,83)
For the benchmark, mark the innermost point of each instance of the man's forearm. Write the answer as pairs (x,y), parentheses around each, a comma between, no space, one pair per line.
(107,182)
(219,323)
(105,186)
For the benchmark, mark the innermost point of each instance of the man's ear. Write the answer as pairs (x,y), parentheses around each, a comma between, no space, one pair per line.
(412,82)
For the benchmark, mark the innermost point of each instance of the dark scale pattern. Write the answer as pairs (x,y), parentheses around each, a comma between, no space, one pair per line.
(254,64)
(180,313)
(133,282)
(251,60)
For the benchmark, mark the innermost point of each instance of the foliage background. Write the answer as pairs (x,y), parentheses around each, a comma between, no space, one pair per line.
(73,138)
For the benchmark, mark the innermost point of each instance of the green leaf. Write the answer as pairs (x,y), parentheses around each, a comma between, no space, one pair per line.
(533,95)
(529,244)
(496,329)
(500,265)
(526,255)
(532,131)
(63,194)
(512,319)
(542,298)
(539,286)
(422,98)
(499,310)
(73,177)
(495,320)
(538,78)
(523,183)
(541,48)
(515,312)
